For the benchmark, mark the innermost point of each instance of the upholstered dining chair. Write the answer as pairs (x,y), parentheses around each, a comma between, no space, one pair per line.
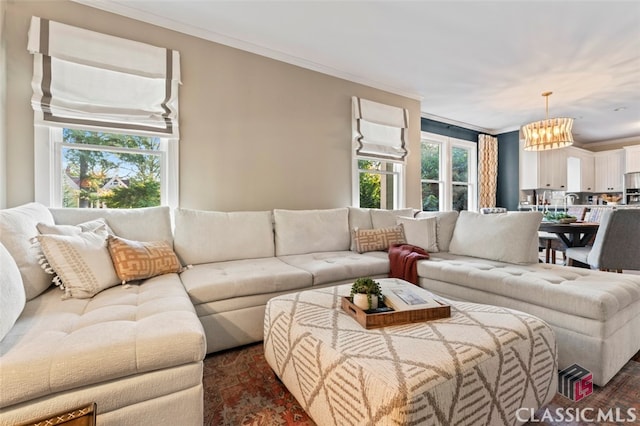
(616,245)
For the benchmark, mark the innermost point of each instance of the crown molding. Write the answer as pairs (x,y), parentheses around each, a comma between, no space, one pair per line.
(150,18)
(632,140)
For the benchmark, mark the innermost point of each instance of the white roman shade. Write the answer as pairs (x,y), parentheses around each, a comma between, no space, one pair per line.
(379,130)
(90,80)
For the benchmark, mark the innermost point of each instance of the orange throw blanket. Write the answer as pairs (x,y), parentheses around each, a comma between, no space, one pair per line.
(404,261)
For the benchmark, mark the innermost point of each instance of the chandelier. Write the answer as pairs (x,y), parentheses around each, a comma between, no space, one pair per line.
(550,133)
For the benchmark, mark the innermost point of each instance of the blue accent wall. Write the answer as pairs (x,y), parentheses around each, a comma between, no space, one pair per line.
(508,192)
(444,129)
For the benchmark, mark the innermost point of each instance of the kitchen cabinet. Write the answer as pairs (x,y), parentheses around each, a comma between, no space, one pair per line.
(580,170)
(632,158)
(543,169)
(552,169)
(609,170)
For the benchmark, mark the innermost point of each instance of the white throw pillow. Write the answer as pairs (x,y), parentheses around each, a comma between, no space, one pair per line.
(17,228)
(92,225)
(446,223)
(12,296)
(505,237)
(82,262)
(420,232)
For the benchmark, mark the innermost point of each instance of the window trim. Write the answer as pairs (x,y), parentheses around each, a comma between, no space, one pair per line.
(446,150)
(48,167)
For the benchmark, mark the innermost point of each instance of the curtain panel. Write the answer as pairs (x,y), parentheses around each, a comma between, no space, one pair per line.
(379,130)
(85,79)
(487,170)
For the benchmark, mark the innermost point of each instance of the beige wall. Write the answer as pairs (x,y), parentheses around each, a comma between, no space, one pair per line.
(255,133)
(3,109)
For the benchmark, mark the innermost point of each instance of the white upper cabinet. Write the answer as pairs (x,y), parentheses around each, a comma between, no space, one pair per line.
(580,170)
(543,169)
(632,158)
(609,170)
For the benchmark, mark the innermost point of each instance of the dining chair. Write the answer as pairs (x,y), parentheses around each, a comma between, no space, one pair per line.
(616,245)
(550,242)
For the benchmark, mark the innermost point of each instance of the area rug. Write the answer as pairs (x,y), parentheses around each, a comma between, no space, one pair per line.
(241,389)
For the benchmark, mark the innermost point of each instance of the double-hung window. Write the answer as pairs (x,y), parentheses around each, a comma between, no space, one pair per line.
(105,117)
(379,153)
(448,173)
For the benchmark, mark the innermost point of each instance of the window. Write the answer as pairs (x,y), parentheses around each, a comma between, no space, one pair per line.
(105,119)
(379,184)
(378,154)
(107,170)
(83,168)
(448,173)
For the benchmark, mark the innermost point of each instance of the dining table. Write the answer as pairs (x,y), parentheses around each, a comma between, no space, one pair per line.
(574,234)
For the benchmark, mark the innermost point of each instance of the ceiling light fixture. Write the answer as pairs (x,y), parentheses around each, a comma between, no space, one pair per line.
(550,133)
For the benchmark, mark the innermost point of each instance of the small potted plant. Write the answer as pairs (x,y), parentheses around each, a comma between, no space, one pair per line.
(365,293)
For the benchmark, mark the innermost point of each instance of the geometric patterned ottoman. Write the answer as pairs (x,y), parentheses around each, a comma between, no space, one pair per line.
(480,366)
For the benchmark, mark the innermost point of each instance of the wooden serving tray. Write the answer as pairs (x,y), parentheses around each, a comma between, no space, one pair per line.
(384,319)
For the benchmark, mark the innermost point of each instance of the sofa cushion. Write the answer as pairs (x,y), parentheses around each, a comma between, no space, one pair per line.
(445,224)
(381,218)
(209,236)
(340,266)
(17,228)
(378,239)
(139,260)
(12,296)
(421,232)
(576,291)
(57,345)
(81,262)
(311,231)
(505,237)
(210,282)
(140,224)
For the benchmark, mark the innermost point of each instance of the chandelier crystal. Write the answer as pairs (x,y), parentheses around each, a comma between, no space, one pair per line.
(551,133)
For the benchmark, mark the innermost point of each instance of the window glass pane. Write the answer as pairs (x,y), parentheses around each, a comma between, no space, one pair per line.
(430,196)
(459,164)
(377,188)
(95,178)
(460,197)
(430,161)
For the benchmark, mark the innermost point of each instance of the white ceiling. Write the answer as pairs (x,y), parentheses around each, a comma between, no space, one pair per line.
(479,64)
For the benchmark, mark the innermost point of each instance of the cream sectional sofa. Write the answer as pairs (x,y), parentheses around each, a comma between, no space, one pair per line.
(137,350)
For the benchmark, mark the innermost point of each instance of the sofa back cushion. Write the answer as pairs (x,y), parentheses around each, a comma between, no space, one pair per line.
(12,296)
(381,218)
(209,236)
(505,237)
(311,231)
(141,224)
(445,224)
(18,226)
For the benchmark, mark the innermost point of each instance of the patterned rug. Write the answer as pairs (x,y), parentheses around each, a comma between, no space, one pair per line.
(241,389)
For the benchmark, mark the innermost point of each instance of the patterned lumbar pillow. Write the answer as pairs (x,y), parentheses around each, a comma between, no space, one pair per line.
(135,260)
(82,262)
(378,239)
